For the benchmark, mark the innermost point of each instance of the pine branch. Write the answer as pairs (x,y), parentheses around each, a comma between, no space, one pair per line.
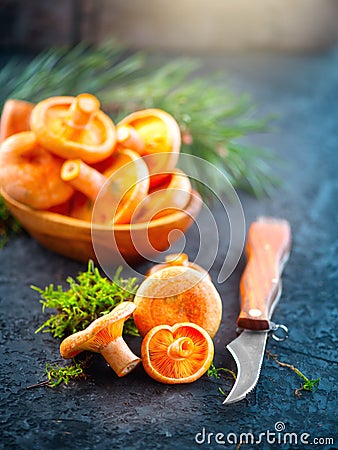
(213,119)
(64,71)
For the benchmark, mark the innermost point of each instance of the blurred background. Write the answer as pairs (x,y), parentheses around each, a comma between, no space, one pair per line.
(189,26)
(233,47)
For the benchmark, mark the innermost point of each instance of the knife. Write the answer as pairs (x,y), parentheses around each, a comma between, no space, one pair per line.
(267,248)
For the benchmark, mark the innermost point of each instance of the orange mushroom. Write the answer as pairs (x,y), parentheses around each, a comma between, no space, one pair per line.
(177,294)
(172,195)
(30,174)
(160,179)
(151,132)
(104,336)
(178,354)
(82,177)
(128,185)
(177,259)
(15,117)
(74,127)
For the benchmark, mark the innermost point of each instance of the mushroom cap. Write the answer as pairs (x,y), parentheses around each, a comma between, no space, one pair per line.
(14,117)
(52,120)
(171,196)
(178,354)
(177,294)
(31,174)
(99,333)
(177,259)
(161,135)
(128,180)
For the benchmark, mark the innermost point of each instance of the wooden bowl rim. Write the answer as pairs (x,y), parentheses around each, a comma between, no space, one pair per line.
(195,198)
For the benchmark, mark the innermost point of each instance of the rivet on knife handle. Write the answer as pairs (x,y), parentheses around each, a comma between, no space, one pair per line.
(267,248)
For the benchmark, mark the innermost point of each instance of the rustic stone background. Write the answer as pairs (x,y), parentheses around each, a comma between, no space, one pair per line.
(178,25)
(135,412)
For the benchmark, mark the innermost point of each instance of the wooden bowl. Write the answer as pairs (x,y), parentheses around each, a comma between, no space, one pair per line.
(74,238)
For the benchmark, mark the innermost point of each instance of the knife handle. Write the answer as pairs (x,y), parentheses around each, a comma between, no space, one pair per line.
(267,248)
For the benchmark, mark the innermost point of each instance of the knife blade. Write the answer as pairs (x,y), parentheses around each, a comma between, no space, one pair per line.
(267,248)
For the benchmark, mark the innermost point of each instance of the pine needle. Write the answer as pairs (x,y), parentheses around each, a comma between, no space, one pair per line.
(68,71)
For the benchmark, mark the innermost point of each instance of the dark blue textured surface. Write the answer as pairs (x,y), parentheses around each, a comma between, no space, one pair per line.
(137,413)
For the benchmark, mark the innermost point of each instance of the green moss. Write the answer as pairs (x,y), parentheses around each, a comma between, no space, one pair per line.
(88,297)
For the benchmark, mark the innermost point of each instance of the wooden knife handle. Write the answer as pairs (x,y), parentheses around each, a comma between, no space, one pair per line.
(267,248)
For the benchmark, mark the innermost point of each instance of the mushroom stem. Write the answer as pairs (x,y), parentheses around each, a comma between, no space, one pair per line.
(181,348)
(119,356)
(130,138)
(177,259)
(82,110)
(82,177)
